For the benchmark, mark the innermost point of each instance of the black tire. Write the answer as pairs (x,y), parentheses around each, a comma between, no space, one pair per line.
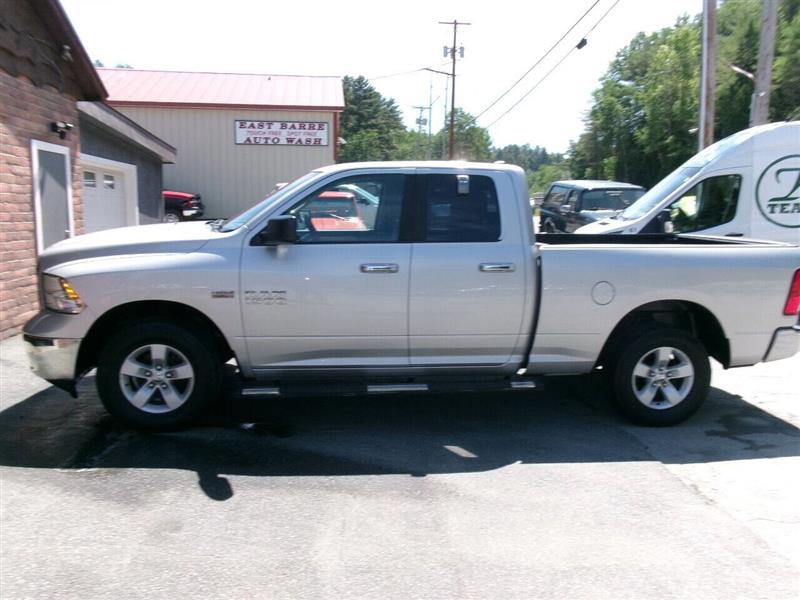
(183,366)
(172,216)
(549,227)
(639,355)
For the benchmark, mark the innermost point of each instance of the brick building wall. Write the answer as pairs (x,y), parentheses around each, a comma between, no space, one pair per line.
(26,112)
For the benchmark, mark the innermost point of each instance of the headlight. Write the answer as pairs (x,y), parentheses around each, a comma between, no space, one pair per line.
(58,295)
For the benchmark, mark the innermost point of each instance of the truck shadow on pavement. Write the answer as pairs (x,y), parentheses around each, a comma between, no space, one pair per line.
(415,435)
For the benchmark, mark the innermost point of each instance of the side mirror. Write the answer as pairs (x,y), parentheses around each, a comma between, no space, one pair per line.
(665,218)
(564,209)
(279,230)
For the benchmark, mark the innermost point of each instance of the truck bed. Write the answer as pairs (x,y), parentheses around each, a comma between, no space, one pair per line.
(646,238)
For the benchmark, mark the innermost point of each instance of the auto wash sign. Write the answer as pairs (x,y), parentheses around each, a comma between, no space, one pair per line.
(281,133)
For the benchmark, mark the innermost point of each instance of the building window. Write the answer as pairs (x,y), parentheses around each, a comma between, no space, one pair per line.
(89,179)
(108,181)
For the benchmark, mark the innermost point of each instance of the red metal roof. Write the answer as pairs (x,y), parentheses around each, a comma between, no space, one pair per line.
(127,87)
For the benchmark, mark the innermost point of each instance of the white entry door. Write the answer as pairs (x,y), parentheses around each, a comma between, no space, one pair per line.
(109,197)
(52,191)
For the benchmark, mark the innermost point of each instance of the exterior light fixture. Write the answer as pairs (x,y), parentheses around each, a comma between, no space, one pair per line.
(61,128)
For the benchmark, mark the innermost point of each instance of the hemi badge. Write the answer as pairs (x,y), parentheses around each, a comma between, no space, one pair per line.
(222,294)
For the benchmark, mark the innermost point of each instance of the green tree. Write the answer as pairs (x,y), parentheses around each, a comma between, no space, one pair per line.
(534,160)
(472,142)
(525,156)
(785,102)
(669,100)
(643,118)
(371,125)
(412,145)
(738,32)
(541,179)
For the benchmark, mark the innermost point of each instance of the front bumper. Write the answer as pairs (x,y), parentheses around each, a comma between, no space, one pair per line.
(52,359)
(785,343)
(195,213)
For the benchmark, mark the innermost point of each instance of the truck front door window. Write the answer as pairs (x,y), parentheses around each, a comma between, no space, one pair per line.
(555,197)
(362,209)
(571,203)
(710,203)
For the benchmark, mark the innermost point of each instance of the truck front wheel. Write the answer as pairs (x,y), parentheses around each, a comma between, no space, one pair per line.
(661,377)
(157,375)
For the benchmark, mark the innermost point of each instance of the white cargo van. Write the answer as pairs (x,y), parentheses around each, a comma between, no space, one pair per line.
(747,185)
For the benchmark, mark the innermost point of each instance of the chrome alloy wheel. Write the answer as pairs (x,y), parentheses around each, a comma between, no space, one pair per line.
(156,378)
(662,378)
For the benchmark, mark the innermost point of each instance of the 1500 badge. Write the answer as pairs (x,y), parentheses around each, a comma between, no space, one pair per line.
(265,297)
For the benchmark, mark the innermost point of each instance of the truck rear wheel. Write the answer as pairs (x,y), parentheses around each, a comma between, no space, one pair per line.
(158,375)
(661,377)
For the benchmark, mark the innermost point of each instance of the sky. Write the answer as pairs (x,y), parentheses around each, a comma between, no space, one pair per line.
(391,44)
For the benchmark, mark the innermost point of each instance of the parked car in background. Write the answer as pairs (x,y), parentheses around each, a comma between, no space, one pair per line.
(572,204)
(330,211)
(181,206)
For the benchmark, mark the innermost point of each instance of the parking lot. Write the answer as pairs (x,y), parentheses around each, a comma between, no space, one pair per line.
(517,495)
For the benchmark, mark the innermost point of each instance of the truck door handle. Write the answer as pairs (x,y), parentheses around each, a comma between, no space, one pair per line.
(498,267)
(734,235)
(380,268)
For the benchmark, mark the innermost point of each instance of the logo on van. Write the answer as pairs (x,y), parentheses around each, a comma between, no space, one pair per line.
(778,191)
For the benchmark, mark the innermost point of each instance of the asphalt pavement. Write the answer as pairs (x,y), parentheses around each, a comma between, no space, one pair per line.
(545,494)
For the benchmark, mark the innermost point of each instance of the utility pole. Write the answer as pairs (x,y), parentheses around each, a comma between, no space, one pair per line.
(444,124)
(766,54)
(708,75)
(420,123)
(452,52)
(430,117)
(430,114)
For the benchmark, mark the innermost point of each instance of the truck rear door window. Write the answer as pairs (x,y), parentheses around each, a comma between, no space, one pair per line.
(470,216)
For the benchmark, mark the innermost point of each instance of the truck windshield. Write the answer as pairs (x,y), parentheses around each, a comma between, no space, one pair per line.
(660,191)
(274,196)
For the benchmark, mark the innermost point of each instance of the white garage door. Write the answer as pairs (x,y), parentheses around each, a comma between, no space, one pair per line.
(104,203)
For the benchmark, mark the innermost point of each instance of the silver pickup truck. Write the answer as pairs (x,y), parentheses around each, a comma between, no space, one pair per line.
(384,277)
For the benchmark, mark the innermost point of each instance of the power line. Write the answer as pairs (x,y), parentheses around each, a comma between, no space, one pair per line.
(538,62)
(513,106)
(600,20)
(407,72)
(581,44)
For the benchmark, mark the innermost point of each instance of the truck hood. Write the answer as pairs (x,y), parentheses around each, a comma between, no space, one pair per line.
(604,226)
(596,215)
(143,239)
